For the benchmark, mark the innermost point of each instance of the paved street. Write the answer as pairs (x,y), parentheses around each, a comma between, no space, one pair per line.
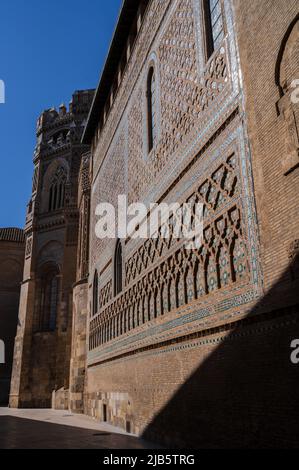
(47,429)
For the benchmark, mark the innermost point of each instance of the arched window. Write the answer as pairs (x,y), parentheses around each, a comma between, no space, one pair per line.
(49,295)
(214,26)
(57,190)
(118,267)
(95,294)
(151,109)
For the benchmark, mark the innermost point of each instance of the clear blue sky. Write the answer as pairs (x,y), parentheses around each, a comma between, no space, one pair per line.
(48,49)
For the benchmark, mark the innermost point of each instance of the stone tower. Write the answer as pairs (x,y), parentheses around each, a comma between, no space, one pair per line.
(43,342)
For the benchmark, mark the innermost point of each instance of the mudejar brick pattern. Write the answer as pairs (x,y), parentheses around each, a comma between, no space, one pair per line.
(182,346)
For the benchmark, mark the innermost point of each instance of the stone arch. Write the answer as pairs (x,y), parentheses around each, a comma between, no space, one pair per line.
(51,251)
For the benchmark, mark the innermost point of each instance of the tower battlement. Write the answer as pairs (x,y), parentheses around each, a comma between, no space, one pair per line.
(79,105)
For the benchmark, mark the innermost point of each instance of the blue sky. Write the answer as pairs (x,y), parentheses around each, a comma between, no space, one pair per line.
(48,49)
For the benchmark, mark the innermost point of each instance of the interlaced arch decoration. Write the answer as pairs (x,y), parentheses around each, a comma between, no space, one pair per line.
(162,276)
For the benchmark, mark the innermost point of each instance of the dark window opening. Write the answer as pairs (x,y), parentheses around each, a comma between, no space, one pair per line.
(105,415)
(118,267)
(214,27)
(95,301)
(151,109)
(128,427)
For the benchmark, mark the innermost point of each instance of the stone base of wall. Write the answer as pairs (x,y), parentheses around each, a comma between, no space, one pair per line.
(76,403)
(78,354)
(114,408)
(25,401)
(60,399)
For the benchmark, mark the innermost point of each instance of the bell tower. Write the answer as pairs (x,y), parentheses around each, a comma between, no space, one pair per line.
(43,341)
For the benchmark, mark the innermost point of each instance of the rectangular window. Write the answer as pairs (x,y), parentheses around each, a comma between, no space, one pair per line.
(214,26)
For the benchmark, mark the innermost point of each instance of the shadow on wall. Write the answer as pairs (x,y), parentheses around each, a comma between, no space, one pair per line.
(245,395)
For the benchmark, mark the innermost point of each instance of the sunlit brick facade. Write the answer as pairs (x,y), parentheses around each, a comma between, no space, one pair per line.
(185,347)
(197,110)
(44,335)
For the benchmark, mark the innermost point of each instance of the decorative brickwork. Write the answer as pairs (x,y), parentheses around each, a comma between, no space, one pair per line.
(186,347)
(177,307)
(183,275)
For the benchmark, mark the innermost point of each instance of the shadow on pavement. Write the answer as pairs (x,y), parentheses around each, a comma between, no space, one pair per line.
(20,433)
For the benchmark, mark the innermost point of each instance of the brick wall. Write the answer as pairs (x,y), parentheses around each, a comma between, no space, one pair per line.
(196,349)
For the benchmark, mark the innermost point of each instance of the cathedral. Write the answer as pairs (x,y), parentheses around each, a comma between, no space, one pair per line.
(197,103)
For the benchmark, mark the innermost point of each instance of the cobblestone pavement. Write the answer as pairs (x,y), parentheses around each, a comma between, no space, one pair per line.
(47,429)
